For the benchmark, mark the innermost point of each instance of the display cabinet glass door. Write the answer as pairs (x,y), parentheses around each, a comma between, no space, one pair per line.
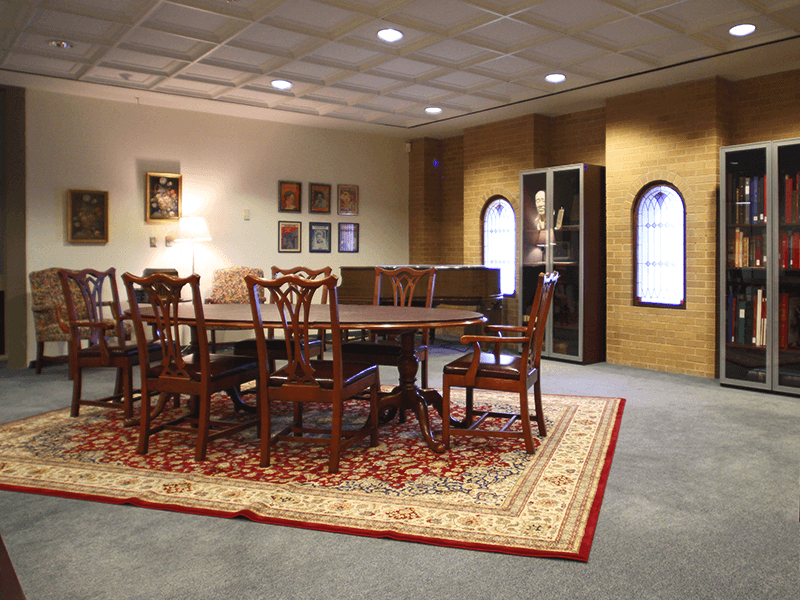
(746,244)
(787,267)
(551,240)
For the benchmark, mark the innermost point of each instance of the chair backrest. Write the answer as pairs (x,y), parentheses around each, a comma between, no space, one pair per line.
(532,352)
(293,297)
(90,315)
(404,282)
(164,295)
(46,295)
(228,285)
(308,273)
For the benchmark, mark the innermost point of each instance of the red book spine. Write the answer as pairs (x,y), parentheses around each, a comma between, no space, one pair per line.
(796,250)
(784,251)
(787,199)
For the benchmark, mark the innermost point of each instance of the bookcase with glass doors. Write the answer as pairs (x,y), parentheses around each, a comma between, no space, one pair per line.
(759,318)
(562,228)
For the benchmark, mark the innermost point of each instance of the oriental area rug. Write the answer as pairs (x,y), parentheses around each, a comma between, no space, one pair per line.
(484,494)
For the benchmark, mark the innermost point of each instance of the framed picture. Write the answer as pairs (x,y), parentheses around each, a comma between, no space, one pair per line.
(348,199)
(319,198)
(348,237)
(87,217)
(289,196)
(319,237)
(288,236)
(162,197)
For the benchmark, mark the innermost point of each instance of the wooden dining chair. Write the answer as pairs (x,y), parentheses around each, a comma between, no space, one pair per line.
(492,370)
(94,315)
(277,347)
(404,282)
(198,374)
(303,380)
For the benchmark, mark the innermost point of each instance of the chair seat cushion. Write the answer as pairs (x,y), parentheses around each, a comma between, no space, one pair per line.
(275,348)
(503,367)
(323,373)
(221,366)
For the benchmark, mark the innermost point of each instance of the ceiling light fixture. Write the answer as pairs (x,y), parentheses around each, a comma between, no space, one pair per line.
(742,30)
(433,110)
(281,84)
(390,35)
(555,77)
(62,44)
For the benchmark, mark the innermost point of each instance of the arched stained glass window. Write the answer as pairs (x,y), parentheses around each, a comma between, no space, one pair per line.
(500,242)
(660,247)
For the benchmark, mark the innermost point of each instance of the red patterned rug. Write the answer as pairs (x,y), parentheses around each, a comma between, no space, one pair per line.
(482,495)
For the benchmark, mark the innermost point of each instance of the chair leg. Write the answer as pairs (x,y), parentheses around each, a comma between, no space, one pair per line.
(425,373)
(266,426)
(127,391)
(203,424)
(446,413)
(537,402)
(336,437)
(77,380)
(373,414)
(525,416)
(39,354)
(470,414)
(213,341)
(144,423)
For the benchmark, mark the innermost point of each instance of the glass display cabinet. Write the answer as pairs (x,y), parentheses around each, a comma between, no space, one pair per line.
(760,266)
(562,228)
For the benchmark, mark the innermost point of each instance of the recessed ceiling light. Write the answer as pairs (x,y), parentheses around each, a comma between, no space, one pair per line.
(281,84)
(742,30)
(62,44)
(555,77)
(390,35)
(433,110)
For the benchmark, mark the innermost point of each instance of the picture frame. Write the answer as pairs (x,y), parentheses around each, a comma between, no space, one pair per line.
(319,198)
(87,217)
(163,193)
(290,196)
(289,236)
(347,196)
(319,237)
(348,237)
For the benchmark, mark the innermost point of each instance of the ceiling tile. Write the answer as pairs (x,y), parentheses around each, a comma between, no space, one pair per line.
(455,54)
(504,35)
(404,68)
(342,55)
(442,16)
(577,15)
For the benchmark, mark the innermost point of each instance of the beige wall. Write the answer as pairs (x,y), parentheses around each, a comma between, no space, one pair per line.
(228,165)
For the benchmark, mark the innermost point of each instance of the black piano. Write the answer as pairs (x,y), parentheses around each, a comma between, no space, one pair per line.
(458,285)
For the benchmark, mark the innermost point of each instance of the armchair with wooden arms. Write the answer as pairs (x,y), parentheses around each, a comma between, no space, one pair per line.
(304,380)
(228,287)
(491,370)
(404,282)
(277,347)
(198,375)
(99,322)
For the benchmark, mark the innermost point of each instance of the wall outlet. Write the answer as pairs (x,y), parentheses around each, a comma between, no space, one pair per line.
(153,243)
(246,214)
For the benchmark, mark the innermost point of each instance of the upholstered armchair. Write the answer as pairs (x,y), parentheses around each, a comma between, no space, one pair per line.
(48,307)
(228,288)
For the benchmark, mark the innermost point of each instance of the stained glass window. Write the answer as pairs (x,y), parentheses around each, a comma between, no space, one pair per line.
(500,242)
(660,247)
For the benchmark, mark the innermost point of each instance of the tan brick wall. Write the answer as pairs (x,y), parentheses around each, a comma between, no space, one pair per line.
(766,108)
(451,238)
(670,134)
(424,201)
(579,138)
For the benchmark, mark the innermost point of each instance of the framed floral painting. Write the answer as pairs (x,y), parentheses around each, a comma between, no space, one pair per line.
(163,197)
(87,217)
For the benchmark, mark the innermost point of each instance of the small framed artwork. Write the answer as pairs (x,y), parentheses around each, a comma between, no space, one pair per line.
(348,237)
(319,198)
(163,197)
(87,217)
(289,196)
(288,236)
(348,199)
(319,237)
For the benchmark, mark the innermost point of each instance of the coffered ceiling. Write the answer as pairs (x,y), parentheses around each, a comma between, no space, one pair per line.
(477,60)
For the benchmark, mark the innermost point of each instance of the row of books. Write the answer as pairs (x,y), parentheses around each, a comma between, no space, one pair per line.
(747,320)
(745,250)
(747,199)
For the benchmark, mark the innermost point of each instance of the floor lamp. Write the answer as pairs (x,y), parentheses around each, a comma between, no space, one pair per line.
(192,230)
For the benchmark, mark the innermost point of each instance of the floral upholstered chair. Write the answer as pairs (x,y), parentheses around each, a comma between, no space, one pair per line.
(48,306)
(228,288)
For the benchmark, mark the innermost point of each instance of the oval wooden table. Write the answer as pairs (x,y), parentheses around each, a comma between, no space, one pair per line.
(401,320)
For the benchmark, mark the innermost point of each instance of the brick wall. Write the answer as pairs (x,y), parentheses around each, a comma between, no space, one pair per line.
(425,201)
(579,138)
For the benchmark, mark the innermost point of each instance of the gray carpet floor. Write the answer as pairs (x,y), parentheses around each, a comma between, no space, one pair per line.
(702,502)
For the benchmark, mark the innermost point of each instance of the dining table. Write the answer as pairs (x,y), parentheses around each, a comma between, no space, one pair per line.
(403,321)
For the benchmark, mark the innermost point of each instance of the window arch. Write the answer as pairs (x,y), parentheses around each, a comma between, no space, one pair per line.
(500,241)
(660,246)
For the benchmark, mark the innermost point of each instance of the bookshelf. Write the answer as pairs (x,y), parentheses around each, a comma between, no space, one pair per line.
(566,233)
(760,266)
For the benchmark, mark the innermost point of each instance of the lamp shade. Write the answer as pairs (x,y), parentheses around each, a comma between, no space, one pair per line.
(193,229)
